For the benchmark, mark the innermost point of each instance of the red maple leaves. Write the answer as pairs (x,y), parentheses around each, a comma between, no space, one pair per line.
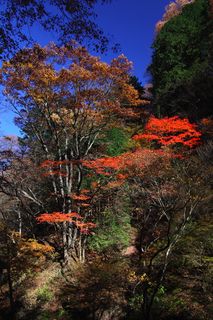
(72,217)
(57,217)
(170,131)
(81,197)
(127,164)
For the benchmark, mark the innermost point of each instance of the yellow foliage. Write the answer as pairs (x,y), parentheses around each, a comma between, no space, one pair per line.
(32,245)
(138,278)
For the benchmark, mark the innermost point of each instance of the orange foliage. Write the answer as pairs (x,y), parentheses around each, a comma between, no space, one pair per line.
(32,246)
(121,176)
(50,164)
(85,191)
(85,205)
(101,88)
(85,227)
(170,131)
(54,173)
(81,197)
(74,217)
(57,217)
(127,162)
(114,184)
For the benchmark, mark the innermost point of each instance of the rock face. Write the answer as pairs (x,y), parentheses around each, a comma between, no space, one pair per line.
(129,251)
(132,250)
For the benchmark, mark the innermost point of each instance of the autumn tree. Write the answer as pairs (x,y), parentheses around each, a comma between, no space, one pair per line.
(64,97)
(163,199)
(67,19)
(172,131)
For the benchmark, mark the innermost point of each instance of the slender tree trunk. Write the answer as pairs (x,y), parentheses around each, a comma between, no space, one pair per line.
(65,243)
(146,307)
(10,285)
(84,251)
(20,222)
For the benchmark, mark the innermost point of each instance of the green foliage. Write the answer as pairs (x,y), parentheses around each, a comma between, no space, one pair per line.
(44,294)
(180,60)
(61,314)
(113,231)
(116,141)
(134,81)
(46,315)
(135,302)
(173,304)
(193,274)
(160,294)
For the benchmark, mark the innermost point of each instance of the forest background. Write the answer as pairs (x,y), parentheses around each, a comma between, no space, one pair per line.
(106,198)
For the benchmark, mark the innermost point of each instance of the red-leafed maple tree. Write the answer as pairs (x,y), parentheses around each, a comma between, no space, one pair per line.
(113,172)
(124,164)
(143,162)
(165,132)
(72,217)
(170,131)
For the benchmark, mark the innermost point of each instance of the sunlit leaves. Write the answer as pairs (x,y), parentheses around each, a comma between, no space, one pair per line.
(171,131)
(57,217)
(33,72)
(127,164)
(72,217)
(172,9)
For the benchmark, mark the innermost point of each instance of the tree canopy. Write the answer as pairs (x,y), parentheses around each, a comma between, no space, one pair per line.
(70,19)
(182,62)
